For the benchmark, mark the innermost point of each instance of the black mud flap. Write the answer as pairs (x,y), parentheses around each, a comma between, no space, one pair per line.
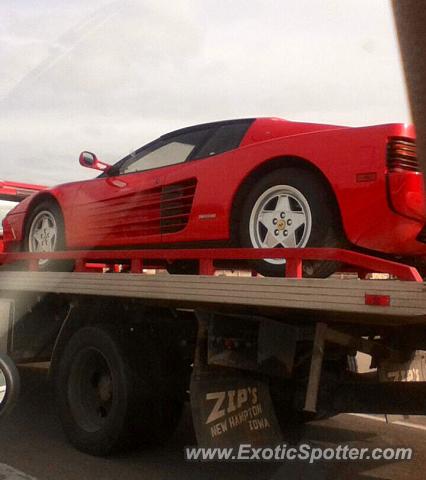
(412,369)
(231,407)
(230,386)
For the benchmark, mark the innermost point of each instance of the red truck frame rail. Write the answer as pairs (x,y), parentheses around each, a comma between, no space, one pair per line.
(139,259)
(17,191)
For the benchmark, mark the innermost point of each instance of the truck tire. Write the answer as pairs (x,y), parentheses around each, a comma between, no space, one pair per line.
(9,385)
(290,420)
(111,392)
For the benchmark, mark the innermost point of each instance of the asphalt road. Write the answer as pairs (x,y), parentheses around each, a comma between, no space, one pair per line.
(32,445)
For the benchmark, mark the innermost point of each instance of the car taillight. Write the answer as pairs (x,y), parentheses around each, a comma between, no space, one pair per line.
(401,155)
(404,179)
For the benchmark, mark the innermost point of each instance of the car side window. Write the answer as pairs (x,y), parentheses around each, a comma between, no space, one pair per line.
(225,138)
(163,152)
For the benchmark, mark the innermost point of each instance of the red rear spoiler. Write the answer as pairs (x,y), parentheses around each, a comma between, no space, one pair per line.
(15,191)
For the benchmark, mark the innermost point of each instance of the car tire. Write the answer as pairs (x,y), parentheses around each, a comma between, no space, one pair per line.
(49,212)
(296,203)
(111,392)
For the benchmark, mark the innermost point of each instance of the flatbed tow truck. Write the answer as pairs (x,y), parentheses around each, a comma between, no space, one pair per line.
(257,357)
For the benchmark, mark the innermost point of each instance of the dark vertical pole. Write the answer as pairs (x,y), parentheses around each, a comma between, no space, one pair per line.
(410,18)
(316,368)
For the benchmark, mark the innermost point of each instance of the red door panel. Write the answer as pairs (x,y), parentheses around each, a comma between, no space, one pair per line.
(204,207)
(118,211)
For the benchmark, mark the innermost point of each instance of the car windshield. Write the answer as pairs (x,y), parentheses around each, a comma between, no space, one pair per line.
(5,207)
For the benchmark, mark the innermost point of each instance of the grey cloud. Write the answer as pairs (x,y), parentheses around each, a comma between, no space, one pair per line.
(113,75)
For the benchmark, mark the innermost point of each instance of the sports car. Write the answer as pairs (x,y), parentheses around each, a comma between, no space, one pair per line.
(258,182)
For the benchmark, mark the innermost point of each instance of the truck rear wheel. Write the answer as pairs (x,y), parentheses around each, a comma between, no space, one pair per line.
(109,399)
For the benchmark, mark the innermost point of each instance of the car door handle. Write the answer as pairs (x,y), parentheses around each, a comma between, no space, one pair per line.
(117,182)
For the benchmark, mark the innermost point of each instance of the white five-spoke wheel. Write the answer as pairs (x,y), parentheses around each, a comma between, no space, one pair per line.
(281,217)
(289,207)
(43,233)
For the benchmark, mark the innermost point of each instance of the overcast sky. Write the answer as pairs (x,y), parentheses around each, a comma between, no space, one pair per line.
(110,76)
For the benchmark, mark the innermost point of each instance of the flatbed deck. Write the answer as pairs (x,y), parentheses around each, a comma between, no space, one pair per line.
(376,302)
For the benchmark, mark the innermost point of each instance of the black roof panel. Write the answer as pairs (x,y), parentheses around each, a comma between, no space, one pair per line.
(201,126)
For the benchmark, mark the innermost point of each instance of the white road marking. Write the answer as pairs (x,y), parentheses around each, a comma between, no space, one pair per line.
(396,422)
(368,416)
(9,473)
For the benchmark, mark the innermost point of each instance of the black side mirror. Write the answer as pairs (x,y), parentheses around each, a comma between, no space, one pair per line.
(9,384)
